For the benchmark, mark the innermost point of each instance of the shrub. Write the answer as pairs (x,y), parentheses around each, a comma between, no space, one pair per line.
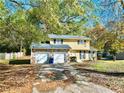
(19,62)
(73,59)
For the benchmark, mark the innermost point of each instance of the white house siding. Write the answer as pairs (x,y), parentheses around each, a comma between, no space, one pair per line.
(87,55)
(91,55)
(76,53)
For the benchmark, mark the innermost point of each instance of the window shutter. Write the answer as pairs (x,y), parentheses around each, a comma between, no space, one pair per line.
(78,42)
(61,41)
(54,41)
(84,56)
(85,41)
(80,55)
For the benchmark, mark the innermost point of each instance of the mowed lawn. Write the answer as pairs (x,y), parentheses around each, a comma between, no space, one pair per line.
(106,73)
(21,60)
(108,66)
(4,61)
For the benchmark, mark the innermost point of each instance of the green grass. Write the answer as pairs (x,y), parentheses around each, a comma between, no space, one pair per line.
(15,61)
(108,66)
(19,61)
(4,61)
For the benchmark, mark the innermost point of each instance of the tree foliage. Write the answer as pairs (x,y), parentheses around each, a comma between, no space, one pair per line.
(16,32)
(61,16)
(20,28)
(104,40)
(98,35)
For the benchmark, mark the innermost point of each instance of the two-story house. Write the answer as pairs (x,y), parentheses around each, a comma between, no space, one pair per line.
(63,48)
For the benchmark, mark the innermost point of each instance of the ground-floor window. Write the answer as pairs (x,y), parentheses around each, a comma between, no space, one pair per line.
(82,55)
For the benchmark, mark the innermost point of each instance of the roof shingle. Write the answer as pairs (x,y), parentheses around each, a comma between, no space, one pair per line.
(68,37)
(49,46)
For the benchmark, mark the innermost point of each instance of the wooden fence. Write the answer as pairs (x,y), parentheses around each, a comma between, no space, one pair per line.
(14,55)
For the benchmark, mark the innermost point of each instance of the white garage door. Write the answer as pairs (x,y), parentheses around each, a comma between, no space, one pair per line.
(59,58)
(41,57)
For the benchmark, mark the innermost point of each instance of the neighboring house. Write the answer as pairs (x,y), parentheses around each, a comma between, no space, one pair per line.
(63,48)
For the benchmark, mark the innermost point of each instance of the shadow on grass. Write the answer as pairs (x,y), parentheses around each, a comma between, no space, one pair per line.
(118,74)
(22,61)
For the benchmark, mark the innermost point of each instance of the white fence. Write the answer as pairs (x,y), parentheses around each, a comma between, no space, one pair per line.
(14,55)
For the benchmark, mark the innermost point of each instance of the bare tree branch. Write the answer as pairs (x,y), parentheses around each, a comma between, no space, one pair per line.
(122,3)
(21,3)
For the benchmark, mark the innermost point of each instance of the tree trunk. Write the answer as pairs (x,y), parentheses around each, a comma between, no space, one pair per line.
(21,47)
(114,57)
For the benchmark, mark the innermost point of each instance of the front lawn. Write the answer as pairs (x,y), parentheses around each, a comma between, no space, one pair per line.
(15,61)
(105,73)
(4,61)
(108,66)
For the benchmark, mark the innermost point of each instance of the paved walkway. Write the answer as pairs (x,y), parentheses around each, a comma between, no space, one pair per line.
(63,78)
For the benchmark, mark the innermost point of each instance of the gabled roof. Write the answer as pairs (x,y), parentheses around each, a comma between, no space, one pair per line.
(54,36)
(49,46)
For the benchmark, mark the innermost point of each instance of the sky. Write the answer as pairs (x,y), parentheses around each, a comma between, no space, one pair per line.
(12,7)
(104,14)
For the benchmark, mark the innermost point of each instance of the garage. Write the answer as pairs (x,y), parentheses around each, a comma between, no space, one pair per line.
(59,58)
(41,57)
(47,53)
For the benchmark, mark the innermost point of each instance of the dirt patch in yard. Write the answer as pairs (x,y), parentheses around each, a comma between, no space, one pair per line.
(111,80)
(52,85)
(16,78)
(22,78)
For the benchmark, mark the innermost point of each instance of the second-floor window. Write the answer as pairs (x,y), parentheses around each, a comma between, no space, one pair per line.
(81,41)
(58,41)
(85,45)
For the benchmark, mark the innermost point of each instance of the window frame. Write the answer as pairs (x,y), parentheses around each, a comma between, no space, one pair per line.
(58,41)
(80,42)
(82,55)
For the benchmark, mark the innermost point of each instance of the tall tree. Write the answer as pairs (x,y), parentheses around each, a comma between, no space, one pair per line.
(16,32)
(99,36)
(60,16)
(105,41)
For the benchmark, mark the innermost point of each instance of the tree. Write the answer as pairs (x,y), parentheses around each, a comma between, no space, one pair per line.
(105,41)
(21,28)
(16,33)
(117,28)
(122,3)
(99,36)
(59,16)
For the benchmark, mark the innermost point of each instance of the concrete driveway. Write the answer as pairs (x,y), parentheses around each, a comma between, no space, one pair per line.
(63,78)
